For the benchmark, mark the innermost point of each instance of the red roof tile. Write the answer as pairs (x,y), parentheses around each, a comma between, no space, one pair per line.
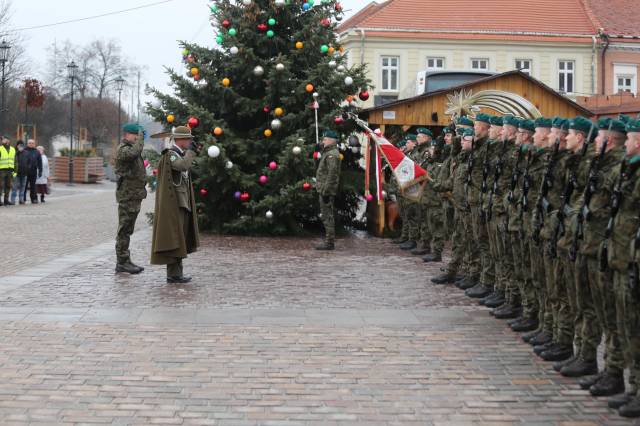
(616,17)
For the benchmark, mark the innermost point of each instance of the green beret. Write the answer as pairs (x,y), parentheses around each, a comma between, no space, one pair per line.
(401,143)
(330,134)
(496,121)
(528,125)
(132,128)
(543,122)
(424,131)
(633,126)
(484,118)
(465,121)
(614,125)
(581,124)
(510,120)
(410,137)
(560,123)
(467,132)
(624,118)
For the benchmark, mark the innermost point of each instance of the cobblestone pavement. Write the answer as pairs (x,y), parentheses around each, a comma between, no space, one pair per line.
(269,333)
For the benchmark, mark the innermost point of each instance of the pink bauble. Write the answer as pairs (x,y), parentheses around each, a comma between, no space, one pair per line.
(146,163)
(369,197)
(263,179)
(273,165)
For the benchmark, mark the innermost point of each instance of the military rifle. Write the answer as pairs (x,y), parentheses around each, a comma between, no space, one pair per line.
(584,214)
(634,269)
(542,205)
(496,177)
(616,200)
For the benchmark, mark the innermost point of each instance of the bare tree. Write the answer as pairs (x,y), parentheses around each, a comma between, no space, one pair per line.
(109,64)
(16,64)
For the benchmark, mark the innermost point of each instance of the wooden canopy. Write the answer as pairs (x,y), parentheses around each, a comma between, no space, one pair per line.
(512,92)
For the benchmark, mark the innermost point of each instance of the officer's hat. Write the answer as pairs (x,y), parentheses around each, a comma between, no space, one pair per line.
(181,132)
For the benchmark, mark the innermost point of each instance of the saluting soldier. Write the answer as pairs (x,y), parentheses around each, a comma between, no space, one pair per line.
(131,190)
(175,222)
(327,182)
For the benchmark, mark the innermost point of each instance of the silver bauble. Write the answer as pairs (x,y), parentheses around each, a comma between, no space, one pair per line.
(280,3)
(280,67)
(276,124)
(333,64)
(258,71)
(297,150)
(269,214)
(229,165)
(348,81)
(246,2)
(234,50)
(341,68)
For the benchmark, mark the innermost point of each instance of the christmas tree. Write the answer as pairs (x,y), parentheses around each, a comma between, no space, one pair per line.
(253,100)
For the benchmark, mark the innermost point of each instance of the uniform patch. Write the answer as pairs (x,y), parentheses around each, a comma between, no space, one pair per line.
(173,157)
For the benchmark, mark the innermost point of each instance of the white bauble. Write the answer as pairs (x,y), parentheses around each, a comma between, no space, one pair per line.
(258,71)
(348,81)
(384,194)
(355,149)
(280,67)
(296,150)
(316,95)
(246,2)
(229,165)
(213,151)
(341,68)
(234,50)
(353,104)
(333,64)
(276,124)
(280,3)
(269,214)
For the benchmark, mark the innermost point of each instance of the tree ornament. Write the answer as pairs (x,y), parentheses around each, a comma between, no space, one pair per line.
(354,141)
(348,81)
(170,118)
(195,71)
(280,3)
(268,133)
(306,6)
(233,32)
(299,45)
(219,39)
(324,48)
(278,112)
(332,64)
(191,59)
(146,163)
(270,33)
(316,155)
(296,150)
(258,71)
(369,198)
(338,119)
(325,22)
(341,157)
(316,95)
(262,28)
(213,151)
(263,180)
(204,192)
(244,197)
(193,122)
(155,172)
(384,194)
(185,52)
(364,95)
(196,77)
(228,165)
(306,186)
(266,110)
(246,2)
(273,165)
(338,7)
(341,68)
(214,8)
(331,50)
(349,99)
(280,67)
(271,22)
(309,88)
(269,214)
(226,82)
(276,124)
(226,23)
(218,131)
(237,195)
(233,50)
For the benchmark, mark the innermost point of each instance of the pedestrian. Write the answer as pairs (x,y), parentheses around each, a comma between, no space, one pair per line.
(8,166)
(34,170)
(129,166)
(175,223)
(42,183)
(327,182)
(20,181)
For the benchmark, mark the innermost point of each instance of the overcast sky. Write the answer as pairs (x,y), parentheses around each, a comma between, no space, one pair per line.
(148,36)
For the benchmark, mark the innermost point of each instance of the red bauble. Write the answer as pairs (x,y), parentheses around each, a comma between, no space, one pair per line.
(325,22)
(338,6)
(193,122)
(204,192)
(244,197)
(262,27)
(266,109)
(226,23)
(306,186)
(316,155)
(369,197)
(339,120)
(155,172)
(364,95)
(196,77)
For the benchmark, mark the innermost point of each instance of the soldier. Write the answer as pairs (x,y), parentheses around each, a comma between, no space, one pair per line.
(412,207)
(432,200)
(622,259)
(8,166)
(130,169)
(451,150)
(394,190)
(327,182)
(175,223)
(423,158)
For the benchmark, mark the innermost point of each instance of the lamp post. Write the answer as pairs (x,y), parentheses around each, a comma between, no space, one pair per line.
(120,87)
(4,58)
(72,69)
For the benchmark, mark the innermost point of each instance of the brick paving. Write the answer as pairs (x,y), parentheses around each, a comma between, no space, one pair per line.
(269,333)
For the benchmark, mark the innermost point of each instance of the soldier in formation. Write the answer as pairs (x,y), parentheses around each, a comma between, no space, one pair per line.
(545,230)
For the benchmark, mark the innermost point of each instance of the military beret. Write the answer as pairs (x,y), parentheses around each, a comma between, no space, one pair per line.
(614,125)
(401,143)
(330,134)
(410,137)
(484,118)
(467,132)
(510,120)
(581,124)
(424,131)
(633,126)
(447,130)
(624,118)
(528,125)
(132,128)
(543,122)
(465,121)
(496,121)
(560,123)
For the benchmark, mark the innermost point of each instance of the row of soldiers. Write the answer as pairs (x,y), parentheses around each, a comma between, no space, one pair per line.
(543,217)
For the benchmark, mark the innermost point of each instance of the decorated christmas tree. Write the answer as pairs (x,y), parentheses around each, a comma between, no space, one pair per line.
(254,99)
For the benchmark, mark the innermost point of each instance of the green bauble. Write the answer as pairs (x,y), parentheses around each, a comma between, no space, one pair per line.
(270,34)
(271,22)
(233,32)
(324,48)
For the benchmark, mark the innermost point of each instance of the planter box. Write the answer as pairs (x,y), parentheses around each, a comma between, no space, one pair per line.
(85,169)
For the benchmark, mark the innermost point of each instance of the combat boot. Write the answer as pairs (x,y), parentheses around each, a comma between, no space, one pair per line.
(580,368)
(494,300)
(443,279)
(542,348)
(478,291)
(609,384)
(515,320)
(631,409)
(421,251)
(399,240)
(507,312)
(136,266)
(326,246)
(530,335)
(466,283)
(619,400)
(541,338)
(586,382)
(435,257)
(528,324)
(557,366)
(409,245)
(184,279)
(559,353)
(128,268)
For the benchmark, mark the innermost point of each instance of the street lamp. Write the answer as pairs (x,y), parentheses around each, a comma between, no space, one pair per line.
(4,58)
(120,87)
(72,70)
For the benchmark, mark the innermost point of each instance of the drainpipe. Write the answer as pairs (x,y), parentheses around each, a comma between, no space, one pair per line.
(362,37)
(603,67)
(593,65)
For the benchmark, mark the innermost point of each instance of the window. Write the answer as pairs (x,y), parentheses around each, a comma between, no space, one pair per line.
(435,63)
(625,78)
(390,72)
(524,65)
(379,100)
(480,64)
(566,71)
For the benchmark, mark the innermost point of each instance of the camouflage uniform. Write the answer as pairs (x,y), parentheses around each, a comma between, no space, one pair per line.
(131,190)
(327,181)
